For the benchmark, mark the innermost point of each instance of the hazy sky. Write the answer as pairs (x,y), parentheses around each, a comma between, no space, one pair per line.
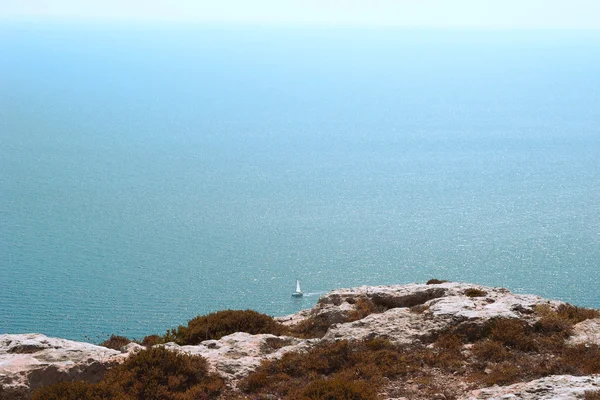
(529,14)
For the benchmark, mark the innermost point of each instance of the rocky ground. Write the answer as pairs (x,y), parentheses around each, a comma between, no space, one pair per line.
(403,314)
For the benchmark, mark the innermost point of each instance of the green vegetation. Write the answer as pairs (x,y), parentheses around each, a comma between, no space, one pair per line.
(152,374)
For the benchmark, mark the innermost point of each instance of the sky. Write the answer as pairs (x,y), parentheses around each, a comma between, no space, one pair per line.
(503,14)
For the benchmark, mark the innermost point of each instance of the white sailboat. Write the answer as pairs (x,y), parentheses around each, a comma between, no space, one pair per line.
(298,292)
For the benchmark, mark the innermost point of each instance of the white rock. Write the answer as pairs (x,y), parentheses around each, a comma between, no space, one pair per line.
(235,356)
(587,331)
(132,348)
(28,361)
(557,387)
(445,305)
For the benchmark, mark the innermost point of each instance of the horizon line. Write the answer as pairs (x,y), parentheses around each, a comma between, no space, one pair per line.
(190,22)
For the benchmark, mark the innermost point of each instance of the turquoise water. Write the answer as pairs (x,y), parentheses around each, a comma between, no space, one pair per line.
(148,175)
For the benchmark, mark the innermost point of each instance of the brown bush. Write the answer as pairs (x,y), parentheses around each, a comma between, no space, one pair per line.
(434,281)
(576,314)
(490,350)
(365,360)
(152,374)
(503,373)
(560,322)
(447,352)
(222,323)
(337,388)
(472,292)
(363,307)
(115,342)
(312,327)
(513,333)
(152,340)
(591,395)
(583,359)
(76,391)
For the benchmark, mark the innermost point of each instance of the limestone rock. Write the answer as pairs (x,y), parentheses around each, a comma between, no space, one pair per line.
(28,361)
(235,356)
(418,311)
(587,331)
(556,387)
(132,348)
(405,314)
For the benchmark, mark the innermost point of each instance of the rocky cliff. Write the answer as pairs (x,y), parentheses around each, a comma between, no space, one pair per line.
(413,316)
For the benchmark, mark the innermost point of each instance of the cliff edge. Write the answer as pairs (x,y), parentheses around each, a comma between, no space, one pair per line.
(444,340)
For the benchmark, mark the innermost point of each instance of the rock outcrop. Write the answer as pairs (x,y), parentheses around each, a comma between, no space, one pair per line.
(29,361)
(403,314)
(416,312)
(235,356)
(556,387)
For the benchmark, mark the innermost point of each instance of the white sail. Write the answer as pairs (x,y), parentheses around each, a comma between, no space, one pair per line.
(298,292)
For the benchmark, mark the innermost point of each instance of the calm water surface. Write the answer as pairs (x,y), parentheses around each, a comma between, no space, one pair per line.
(151,175)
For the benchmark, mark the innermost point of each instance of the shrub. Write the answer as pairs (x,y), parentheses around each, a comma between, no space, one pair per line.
(491,350)
(152,374)
(561,321)
(591,395)
(512,333)
(74,391)
(551,322)
(472,292)
(583,359)
(363,307)
(447,352)
(222,323)
(338,388)
(369,360)
(152,340)
(576,314)
(115,342)
(503,374)
(313,327)
(434,281)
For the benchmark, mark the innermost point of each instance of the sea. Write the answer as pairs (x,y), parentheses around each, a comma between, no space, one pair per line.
(153,173)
